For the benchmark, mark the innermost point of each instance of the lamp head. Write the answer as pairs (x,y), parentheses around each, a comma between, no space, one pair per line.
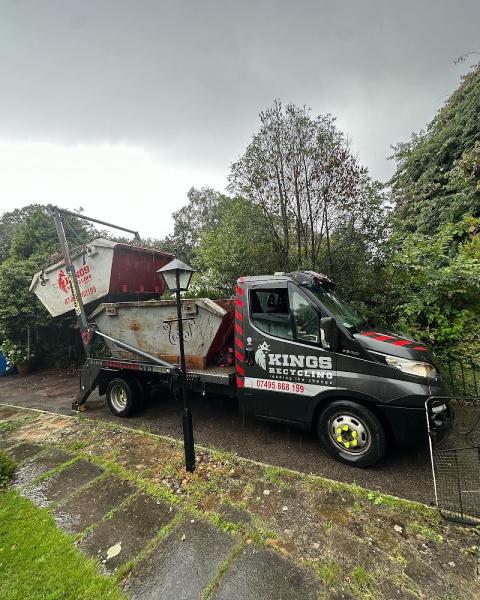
(177,275)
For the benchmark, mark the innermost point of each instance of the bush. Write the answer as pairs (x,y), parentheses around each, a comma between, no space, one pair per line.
(7,468)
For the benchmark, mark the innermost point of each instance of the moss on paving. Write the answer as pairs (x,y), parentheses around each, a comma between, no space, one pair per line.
(362,583)
(125,569)
(224,567)
(38,561)
(328,570)
(418,528)
(55,470)
(12,424)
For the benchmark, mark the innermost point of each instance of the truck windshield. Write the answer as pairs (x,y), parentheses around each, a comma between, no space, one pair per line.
(339,309)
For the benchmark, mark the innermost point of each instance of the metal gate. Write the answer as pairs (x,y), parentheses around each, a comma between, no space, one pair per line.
(456,457)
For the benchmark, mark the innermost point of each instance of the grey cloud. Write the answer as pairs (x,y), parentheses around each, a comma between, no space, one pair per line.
(188,78)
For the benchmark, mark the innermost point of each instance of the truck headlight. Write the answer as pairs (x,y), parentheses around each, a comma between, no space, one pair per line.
(412,367)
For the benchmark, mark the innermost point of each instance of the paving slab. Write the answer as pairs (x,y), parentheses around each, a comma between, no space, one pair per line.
(234,514)
(24,450)
(182,565)
(261,574)
(47,460)
(131,526)
(62,484)
(91,504)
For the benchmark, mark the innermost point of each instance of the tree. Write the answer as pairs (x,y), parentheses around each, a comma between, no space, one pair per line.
(30,230)
(9,222)
(238,244)
(33,241)
(300,171)
(358,248)
(435,245)
(438,283)
(438,171)
(190,221)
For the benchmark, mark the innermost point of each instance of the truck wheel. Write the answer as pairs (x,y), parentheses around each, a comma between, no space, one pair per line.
(352,433)
(123,396)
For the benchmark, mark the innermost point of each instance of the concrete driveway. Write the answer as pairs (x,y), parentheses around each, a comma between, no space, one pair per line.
(405,472)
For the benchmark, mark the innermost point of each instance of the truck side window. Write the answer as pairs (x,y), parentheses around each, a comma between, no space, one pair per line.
(306,318)
(269,311)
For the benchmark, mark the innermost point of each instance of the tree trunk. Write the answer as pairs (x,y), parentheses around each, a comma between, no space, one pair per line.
(327,236)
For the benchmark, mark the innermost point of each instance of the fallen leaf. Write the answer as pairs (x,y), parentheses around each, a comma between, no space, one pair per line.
(114,550)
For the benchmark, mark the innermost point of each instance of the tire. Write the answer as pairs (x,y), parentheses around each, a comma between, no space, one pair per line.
(124,396)
(352,433)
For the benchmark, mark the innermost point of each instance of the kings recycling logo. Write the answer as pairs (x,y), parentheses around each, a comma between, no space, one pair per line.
(295,367)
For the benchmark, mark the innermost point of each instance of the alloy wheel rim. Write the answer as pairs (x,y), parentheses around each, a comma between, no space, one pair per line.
(118,398)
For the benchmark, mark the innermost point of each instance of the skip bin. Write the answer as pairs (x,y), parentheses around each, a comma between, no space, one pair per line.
(152,327)
(103,268)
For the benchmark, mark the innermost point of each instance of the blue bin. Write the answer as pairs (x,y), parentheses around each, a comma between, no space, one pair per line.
(3,365)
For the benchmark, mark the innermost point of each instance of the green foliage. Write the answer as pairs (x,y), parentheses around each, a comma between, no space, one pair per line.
(438,170)
(237,244)
(277,476)
(190,221)
(16,353)
(19,308)
(434,268)
(9,223)
(7,468)
(439,279)
(28,239)
(37,561)
(34,233)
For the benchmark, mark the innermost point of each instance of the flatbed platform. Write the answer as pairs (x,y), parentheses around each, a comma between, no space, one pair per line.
(218,375)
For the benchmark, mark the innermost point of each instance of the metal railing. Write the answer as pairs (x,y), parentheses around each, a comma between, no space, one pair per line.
(455,457)
(461,375)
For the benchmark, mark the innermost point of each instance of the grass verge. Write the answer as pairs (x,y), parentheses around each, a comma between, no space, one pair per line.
(38,561)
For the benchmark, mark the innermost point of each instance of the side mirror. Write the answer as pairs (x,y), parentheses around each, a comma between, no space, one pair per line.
(328,333)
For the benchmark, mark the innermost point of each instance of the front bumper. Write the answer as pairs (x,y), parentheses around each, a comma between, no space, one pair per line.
(408,425)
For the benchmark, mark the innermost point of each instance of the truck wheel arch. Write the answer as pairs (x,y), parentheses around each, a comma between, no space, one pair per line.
(321,401)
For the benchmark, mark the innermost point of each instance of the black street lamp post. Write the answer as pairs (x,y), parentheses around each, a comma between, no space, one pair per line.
(177,276)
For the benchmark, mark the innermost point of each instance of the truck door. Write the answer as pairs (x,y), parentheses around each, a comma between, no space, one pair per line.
(285,364)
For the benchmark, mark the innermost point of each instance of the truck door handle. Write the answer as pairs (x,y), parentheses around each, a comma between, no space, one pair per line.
(249,357)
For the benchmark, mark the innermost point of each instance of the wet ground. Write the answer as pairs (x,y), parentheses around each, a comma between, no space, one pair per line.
(405,472)
(233,529)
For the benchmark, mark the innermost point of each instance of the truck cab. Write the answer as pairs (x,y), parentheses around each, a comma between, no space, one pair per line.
(305,358)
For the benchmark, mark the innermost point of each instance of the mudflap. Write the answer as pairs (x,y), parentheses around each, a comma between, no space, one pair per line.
(89,378)
(454,438)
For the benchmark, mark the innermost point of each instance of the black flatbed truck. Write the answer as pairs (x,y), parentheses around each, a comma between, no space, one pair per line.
(301,357)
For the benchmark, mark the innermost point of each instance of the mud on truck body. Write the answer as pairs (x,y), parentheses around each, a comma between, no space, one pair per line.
(286,347)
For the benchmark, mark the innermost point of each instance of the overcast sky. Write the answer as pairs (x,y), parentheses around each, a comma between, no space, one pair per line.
(121,106)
